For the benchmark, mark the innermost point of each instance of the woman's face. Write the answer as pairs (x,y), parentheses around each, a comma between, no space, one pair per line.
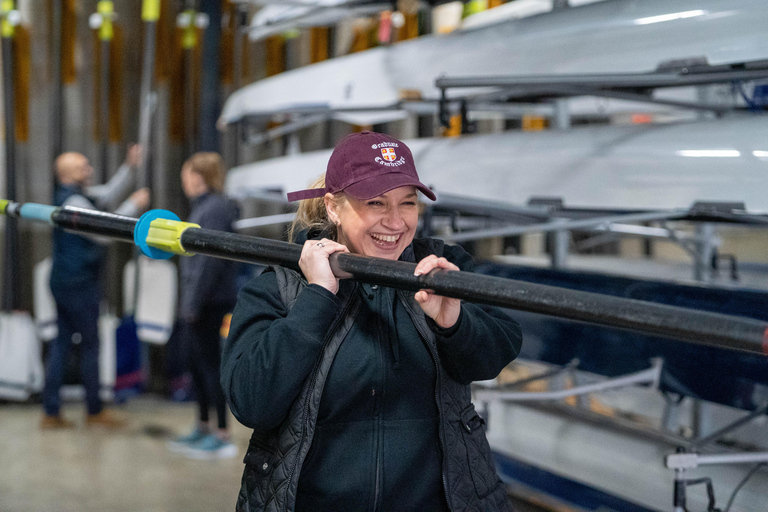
(382,227)
(192,183)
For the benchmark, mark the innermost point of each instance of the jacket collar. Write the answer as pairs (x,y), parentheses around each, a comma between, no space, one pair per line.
(197,201)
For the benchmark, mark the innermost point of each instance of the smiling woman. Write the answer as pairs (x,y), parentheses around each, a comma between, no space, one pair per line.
(383,226)
(359,395)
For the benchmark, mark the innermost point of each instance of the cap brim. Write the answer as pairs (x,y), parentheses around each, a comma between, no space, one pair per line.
(309,193)
(378,185)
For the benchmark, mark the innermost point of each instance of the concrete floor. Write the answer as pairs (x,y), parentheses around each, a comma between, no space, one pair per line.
(128,470)
(90,470)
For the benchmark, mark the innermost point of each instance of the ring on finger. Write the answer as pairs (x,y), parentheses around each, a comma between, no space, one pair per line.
(320,244)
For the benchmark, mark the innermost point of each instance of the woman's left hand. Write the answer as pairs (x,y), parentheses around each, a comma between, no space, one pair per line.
(443,310)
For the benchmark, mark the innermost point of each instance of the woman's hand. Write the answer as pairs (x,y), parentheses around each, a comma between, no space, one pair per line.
(443,310)
(315,265)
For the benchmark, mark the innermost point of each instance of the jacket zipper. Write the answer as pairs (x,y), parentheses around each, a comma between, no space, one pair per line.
(377,487)
(377,413)
(305,415)
(433,353)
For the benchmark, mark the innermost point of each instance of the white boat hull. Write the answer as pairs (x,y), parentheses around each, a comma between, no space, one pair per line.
(618,167)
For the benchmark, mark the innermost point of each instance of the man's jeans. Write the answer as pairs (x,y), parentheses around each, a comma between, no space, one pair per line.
(78,312)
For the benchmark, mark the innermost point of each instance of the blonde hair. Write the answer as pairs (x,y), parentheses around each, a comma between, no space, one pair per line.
(210,166)
(312,214)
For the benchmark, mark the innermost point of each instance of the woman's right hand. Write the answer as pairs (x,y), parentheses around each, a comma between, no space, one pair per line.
(315,265)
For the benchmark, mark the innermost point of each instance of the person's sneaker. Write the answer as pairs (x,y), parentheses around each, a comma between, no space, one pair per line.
(49,422)
(182,443)
(211,447)
(106,419)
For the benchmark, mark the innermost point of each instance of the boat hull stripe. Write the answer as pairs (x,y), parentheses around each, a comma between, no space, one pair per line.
(513,470)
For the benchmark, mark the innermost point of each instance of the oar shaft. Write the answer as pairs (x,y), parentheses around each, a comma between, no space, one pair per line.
(95,222)
(651,318)
(233,246)
(690,325)
(695,326)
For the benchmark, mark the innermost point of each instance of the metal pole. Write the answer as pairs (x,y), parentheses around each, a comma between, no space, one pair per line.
(560,241)
(592,82)
(11,250)
(705,247)
(570,225)
(683,461)
(562,114)
(150,13)
(694,326)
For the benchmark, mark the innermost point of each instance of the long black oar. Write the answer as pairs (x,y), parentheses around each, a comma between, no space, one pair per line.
(159,234)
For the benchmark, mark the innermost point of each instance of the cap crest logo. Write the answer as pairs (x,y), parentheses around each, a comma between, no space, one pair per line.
(388,154)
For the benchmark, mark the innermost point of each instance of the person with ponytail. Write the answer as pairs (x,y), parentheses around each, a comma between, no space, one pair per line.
(358,395)
(208,293)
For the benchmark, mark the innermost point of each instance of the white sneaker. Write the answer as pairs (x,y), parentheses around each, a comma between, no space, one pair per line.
(183,443)
(211,447)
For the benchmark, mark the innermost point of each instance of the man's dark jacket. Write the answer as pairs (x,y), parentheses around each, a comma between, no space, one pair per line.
(76,259)
(483,341)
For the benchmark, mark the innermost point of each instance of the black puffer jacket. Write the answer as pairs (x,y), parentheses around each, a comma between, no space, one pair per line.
(284,340)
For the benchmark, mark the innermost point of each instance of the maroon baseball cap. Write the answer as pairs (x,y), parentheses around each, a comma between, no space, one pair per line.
(366,165)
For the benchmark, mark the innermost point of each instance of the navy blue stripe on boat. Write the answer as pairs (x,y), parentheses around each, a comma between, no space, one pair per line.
(562,488)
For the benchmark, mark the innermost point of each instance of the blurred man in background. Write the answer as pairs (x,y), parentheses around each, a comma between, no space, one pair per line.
(75,280)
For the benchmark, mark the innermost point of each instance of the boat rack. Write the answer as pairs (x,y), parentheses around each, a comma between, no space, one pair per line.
(622,86)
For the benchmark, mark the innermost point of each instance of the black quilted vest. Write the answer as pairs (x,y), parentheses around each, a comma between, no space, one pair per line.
(274,459)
